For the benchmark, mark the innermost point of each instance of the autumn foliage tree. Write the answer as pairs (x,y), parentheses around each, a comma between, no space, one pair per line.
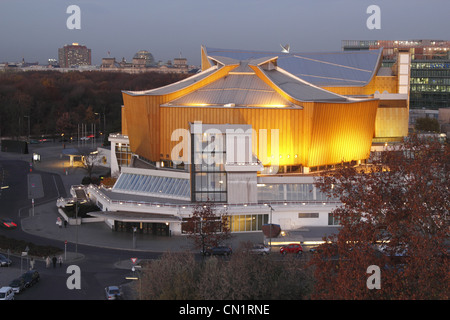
(244,276)
(207,226)
(394,216)
(56,102)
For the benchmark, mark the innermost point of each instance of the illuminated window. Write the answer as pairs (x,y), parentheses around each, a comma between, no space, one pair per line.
(123,154)
(248,222)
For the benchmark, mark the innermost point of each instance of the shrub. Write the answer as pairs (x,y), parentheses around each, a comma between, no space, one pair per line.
(18,246)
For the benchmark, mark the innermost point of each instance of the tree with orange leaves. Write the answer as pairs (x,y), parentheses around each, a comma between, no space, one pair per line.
(207,226)
(394,222)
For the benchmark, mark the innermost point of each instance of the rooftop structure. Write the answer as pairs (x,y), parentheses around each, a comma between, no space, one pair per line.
(430,67)
(321,69)
(423,49)
(143,61)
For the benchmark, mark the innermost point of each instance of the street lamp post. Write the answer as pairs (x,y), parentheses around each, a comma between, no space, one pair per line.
(76,227)
(104,121)
(28,127)
(270,224)
(134,237)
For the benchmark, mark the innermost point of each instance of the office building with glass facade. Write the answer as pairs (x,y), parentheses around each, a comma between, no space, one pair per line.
(74,55)
(430,67)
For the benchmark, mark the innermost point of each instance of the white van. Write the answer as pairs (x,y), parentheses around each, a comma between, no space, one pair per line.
(6,293)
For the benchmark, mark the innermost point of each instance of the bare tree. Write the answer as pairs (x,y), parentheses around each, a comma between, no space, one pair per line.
(90,160)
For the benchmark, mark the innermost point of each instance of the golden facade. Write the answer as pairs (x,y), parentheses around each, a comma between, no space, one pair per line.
(314,126)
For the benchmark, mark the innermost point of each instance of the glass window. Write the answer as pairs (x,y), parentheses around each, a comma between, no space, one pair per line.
(332,221)
(154,186)
(249,222)
(209,183)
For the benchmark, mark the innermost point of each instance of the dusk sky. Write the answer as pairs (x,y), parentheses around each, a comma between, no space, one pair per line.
(35,29)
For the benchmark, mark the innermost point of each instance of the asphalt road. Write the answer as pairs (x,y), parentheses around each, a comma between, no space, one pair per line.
(14,197)
(97,267)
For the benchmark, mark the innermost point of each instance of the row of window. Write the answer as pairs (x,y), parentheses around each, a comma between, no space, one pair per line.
(254,222)
(429,88)
(290,192)
(248,222)
(430,65)
(209,177)
(429,99)
(242,223)
(210,181)
(430,73)
(433,81)
(210,196)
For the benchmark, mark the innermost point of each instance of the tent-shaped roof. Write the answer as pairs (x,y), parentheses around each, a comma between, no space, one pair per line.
(347,68)
(253,82)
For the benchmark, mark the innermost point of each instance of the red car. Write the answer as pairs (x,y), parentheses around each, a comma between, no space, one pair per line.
(7,223)
(292,248)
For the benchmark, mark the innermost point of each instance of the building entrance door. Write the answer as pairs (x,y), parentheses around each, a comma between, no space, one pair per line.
(155,228)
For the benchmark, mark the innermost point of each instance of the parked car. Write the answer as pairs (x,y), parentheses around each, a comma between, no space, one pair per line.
(86,138)
(18,285)
(113,293)
(30,278)
(6,293)
(292,248)
(7,223)
(4,261)
(218,251)
(260,249)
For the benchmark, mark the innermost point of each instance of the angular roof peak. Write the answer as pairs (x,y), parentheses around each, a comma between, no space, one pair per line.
(252,80)
(346,68)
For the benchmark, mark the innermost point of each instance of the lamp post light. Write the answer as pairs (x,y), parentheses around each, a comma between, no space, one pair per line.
(104,120)
(28,127)
(270,224)
(134,237)
(76,227)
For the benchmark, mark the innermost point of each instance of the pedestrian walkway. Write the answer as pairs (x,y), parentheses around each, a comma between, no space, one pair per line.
(42,222)
(98,234)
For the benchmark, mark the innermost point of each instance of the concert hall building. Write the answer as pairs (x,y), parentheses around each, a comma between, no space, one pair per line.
(250,133)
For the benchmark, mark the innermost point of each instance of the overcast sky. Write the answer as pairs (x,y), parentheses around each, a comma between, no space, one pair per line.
(35,29)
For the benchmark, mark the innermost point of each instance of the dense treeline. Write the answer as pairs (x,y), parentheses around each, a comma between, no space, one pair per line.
(53,102)
(179,276)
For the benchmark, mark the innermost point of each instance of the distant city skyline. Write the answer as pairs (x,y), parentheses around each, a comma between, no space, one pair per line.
(34,30)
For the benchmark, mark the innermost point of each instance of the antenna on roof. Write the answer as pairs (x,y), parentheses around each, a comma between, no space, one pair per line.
(285,48)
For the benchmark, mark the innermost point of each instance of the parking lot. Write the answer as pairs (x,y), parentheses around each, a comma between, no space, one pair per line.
(7,274)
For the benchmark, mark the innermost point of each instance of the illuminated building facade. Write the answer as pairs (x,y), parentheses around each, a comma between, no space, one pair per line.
(430,67)
(74,55)
(252,129)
